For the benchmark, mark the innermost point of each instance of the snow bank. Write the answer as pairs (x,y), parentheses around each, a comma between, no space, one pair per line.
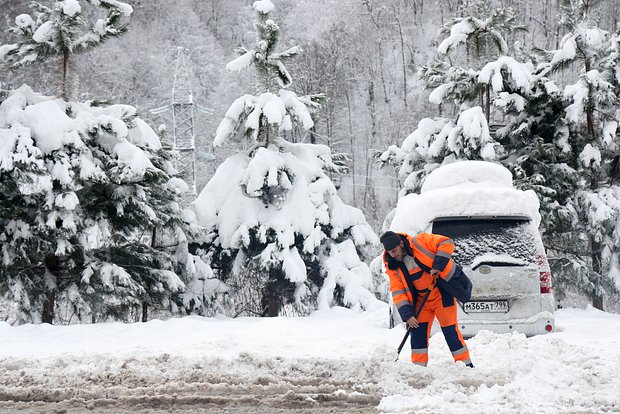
(335,355)
(516,374)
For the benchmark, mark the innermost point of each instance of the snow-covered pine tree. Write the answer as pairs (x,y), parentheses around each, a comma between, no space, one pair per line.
(570,157)
(283,240)
(535,139)
(468,83)
(482,33)
(92,226)
(136,234)
(24,186)
(59,32)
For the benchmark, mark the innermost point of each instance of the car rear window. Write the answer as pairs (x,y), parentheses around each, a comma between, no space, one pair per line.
(501,236)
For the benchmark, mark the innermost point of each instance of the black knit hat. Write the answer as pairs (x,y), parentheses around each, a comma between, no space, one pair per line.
(390,240)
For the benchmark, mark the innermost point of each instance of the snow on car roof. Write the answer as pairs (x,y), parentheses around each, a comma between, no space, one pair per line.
(468,172)
(471,188)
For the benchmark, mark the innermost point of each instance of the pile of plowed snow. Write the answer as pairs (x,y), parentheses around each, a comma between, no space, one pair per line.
(330,358)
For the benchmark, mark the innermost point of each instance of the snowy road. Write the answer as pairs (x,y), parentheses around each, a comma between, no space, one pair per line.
(337,361)
(246,385)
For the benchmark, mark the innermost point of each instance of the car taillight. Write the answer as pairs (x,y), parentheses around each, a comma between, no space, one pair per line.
(548,328)
(545,274)
(545,282)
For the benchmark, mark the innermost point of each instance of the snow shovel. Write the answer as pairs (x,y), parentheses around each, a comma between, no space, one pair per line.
(415,315)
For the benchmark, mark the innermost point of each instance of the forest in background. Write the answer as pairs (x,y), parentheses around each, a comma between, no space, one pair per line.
(362,54)
(548,86)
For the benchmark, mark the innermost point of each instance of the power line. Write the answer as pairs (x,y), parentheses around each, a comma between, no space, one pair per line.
(370,176)
(373,186)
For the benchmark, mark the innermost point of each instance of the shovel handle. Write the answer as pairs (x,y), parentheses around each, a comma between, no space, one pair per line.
(415,315)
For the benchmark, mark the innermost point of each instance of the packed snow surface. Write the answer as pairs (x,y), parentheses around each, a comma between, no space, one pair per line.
(332,356)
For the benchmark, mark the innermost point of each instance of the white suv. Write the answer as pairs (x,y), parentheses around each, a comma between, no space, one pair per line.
(495,231)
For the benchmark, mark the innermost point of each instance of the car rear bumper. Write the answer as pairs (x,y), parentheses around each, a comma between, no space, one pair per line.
(530,316)
(544,324)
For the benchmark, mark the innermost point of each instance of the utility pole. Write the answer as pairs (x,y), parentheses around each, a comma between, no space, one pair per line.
(183,120)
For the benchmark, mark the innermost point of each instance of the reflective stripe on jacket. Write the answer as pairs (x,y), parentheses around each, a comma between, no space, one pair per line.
(433,251)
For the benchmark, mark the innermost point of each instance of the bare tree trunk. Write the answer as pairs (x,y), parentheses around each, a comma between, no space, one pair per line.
(385,91)
(369,196)
(352,145)
(614,14)
(145,312)
(271,302)
(48,308)
(487,104)
(590,123)
(65,75)
(312,132)
(145,305)
(595,246)
(589,111)
(597,268)
(596,256)
(402,51)
(53,266)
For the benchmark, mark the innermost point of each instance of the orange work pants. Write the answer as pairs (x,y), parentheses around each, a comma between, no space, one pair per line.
(444,309)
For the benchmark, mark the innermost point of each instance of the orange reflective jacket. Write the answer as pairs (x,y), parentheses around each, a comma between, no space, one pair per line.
(432,251)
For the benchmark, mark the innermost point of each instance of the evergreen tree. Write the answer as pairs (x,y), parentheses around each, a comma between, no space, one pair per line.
(570,154)
(482,33)
(60,31)
(282,240)
(90,212)
(91,219)
(24,186)
(470,89)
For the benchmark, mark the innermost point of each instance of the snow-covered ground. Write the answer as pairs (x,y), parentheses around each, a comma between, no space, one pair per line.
(333,361)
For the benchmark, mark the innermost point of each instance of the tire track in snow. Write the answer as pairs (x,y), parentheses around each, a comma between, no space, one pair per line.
(164,380)
(513,374)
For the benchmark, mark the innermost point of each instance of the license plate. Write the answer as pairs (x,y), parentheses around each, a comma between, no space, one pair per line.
(495,306)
